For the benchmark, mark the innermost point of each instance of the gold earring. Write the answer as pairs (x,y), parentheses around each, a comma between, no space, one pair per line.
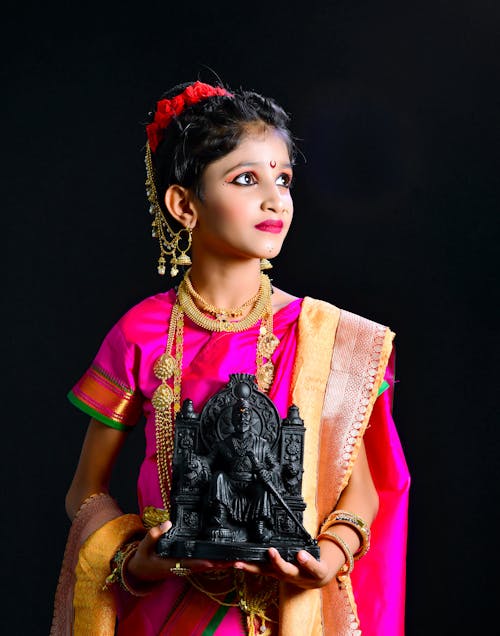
(183,258)
(161,228)
(265,264)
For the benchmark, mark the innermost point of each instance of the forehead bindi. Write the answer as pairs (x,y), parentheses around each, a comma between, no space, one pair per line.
(255,151)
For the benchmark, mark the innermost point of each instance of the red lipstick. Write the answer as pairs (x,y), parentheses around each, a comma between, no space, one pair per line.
(272,226)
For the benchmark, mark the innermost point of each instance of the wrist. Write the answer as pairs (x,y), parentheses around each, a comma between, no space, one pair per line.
(119,572)
(131,579)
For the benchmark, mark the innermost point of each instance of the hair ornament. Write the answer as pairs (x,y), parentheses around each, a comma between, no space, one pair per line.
(169,109)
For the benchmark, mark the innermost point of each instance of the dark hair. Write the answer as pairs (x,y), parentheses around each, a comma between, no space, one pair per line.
(209,130)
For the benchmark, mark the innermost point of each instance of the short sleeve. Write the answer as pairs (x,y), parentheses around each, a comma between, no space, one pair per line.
(108,390)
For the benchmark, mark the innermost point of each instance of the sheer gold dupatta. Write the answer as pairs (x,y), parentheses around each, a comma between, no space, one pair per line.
(97,531)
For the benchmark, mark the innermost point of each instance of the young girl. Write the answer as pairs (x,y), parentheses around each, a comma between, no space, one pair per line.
(219,169)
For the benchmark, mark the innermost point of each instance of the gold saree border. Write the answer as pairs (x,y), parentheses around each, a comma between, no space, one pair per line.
(300,610)
(359,360)
(360,357)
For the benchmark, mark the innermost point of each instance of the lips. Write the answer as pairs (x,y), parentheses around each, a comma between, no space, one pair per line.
(274,227)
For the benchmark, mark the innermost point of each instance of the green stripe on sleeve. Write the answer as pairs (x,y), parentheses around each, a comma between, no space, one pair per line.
(95,414)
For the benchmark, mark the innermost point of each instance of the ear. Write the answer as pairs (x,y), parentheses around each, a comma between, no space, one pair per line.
(178,201)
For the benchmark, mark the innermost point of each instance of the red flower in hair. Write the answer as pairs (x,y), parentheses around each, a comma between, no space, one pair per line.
(168,109)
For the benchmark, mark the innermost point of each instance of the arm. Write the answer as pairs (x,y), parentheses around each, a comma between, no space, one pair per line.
(100,450)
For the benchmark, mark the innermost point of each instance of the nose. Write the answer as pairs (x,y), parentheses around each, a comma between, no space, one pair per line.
(272,200)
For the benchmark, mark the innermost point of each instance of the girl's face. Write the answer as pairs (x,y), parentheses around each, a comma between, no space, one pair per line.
(247,208)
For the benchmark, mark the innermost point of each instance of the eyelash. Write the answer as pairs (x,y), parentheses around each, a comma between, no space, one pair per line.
(287,177)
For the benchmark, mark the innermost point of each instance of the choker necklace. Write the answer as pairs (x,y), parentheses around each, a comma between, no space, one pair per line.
(220,313)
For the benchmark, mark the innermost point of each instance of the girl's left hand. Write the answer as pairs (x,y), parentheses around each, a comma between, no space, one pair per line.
(305,572)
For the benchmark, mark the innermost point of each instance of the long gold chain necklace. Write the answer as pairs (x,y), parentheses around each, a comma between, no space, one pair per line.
(166,402)
(168,369)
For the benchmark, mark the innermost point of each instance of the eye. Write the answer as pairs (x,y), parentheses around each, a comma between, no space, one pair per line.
(244,179)
(284,180)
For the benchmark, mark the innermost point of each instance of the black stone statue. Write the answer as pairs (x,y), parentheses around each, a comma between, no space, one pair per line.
(237,478)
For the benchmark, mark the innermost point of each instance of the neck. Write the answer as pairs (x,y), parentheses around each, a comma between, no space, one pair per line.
(226,285)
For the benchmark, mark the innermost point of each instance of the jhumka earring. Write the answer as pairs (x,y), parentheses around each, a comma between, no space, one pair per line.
(169,241)
(265,264)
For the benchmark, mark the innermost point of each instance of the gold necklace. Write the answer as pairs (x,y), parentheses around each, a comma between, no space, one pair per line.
(218,312)
(167,368)
(260,307)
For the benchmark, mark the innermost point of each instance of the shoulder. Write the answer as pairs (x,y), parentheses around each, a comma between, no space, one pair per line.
(146,316)
(281,299)
(314,309)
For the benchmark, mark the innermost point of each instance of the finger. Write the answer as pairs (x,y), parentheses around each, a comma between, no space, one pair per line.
(151,538)
(253,568)
(310,565)
(281,567)
(156,532)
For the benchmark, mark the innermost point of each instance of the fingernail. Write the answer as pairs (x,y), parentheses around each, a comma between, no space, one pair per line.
(165,526)
(303,556)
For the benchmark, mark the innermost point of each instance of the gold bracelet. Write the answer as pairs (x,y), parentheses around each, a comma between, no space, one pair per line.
(348,566)
(356,523)
(119,557)
(123,581)
(119,562)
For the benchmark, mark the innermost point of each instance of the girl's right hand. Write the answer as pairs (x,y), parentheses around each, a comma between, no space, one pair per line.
(146,566)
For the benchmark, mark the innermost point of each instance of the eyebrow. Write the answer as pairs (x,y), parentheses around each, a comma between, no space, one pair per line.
(249,164)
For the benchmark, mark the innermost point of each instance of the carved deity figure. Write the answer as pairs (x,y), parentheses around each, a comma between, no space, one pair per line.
(241,465)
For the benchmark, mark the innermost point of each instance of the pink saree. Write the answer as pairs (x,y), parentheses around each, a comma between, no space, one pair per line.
(119,385)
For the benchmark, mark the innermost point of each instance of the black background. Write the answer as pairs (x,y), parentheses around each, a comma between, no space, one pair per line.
(396,106)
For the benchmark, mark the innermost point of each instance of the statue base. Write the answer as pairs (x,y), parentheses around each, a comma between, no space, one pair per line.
(229,551)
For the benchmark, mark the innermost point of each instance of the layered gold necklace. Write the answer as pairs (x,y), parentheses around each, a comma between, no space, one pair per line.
(217,320)
(168,367)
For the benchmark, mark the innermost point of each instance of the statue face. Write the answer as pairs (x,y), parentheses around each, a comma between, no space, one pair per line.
(242,420)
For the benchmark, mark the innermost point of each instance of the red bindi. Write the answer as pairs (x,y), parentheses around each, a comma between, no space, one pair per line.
(272,164)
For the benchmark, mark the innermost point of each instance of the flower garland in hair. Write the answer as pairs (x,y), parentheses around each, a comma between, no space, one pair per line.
(168,109)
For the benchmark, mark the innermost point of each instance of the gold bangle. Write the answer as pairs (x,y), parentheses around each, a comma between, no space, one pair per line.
(119,557)
(123,581)
(356,523)
(119,562)
(348,566)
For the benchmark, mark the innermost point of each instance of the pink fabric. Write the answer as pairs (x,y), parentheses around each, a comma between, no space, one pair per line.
(379,577)
(208,360)
(127,355)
